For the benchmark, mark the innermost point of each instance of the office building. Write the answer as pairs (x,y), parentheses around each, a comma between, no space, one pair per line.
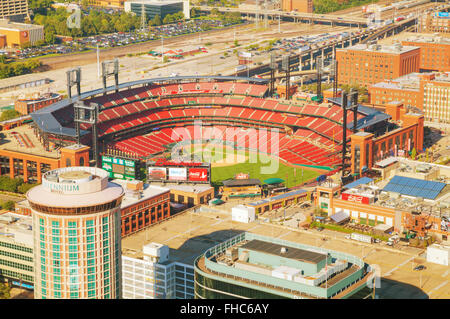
(142,205)
(257,267)
(365,65)
(428,92)
(434,52)
(77,237)
(16,250)
(20,34)
(15,10)
(153,8)
(157,272)
(304,6)
(435,22)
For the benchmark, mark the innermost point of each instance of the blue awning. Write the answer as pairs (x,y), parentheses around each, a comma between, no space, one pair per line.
(361,181)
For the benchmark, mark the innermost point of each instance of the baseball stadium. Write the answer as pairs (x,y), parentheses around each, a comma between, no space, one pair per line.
(146,119)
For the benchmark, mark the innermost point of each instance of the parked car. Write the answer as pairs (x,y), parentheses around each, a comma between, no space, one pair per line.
(420,267)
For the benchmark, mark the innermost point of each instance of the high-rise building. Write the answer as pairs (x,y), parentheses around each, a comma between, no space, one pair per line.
(77,236)
(15,10)
(369,64)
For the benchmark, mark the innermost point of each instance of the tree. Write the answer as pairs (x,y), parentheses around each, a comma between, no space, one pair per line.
(194,12)
(413,153)
(156,20)
(4,291)
(9,205)
(8,115)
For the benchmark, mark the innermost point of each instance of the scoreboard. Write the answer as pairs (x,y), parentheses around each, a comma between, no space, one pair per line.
(120,168)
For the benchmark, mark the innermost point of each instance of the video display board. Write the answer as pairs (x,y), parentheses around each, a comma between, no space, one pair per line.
(119,168)
(187,172)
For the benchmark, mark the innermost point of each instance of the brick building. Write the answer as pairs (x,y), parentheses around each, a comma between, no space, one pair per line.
(27,106)
(22,155)
(428,92)
(434,52)
(142,205)
(369,64)
(305,6)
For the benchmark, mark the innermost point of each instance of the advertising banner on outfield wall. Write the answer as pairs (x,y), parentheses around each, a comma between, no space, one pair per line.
(177,173)
(157,173)
(198,174)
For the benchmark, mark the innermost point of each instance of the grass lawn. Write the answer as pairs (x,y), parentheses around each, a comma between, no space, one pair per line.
(291,175)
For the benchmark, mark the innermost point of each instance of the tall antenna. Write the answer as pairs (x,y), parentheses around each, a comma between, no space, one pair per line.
(319,77)
(265,14)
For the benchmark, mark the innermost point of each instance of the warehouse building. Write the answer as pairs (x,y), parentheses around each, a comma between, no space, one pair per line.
(20,34)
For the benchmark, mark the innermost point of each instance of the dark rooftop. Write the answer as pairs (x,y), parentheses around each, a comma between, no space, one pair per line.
(291,252)
(241,182)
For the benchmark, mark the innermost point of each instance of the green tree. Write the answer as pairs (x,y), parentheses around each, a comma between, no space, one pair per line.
(413,153)
(25,187)
(194,12)
(8,115)
(4,291)
(157,20)
(9,205)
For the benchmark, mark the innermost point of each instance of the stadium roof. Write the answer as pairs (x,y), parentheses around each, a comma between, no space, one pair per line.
(414,187)
(47,122)
(372,116)
(291,252)
(361,181)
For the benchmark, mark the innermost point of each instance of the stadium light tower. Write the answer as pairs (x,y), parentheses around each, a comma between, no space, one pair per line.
(107,72)
(73,78)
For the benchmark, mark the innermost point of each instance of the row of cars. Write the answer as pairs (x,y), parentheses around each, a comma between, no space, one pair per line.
(119,38)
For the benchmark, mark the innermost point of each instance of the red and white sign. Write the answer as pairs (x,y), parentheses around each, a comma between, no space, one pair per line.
(355,198)
(25,34)
(198,174)
(242,176)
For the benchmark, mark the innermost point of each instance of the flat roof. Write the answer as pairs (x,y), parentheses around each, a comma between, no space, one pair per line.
(291,252)
(241,182)
(391,49)
(17,227)
(361,181)
(189,188)
(15,142)
(5,24)
(422,38)
(148,191)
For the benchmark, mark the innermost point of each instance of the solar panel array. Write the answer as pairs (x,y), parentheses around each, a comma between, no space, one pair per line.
(414,187)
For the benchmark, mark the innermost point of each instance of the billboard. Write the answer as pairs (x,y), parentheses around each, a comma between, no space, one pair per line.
(198,174)
(157,173)
(163,170)
(177,173)
(119,167)
(356,198)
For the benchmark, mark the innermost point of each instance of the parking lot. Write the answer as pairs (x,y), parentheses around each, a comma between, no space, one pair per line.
(119,39)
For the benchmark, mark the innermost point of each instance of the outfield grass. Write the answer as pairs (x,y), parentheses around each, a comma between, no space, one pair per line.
(292,176)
